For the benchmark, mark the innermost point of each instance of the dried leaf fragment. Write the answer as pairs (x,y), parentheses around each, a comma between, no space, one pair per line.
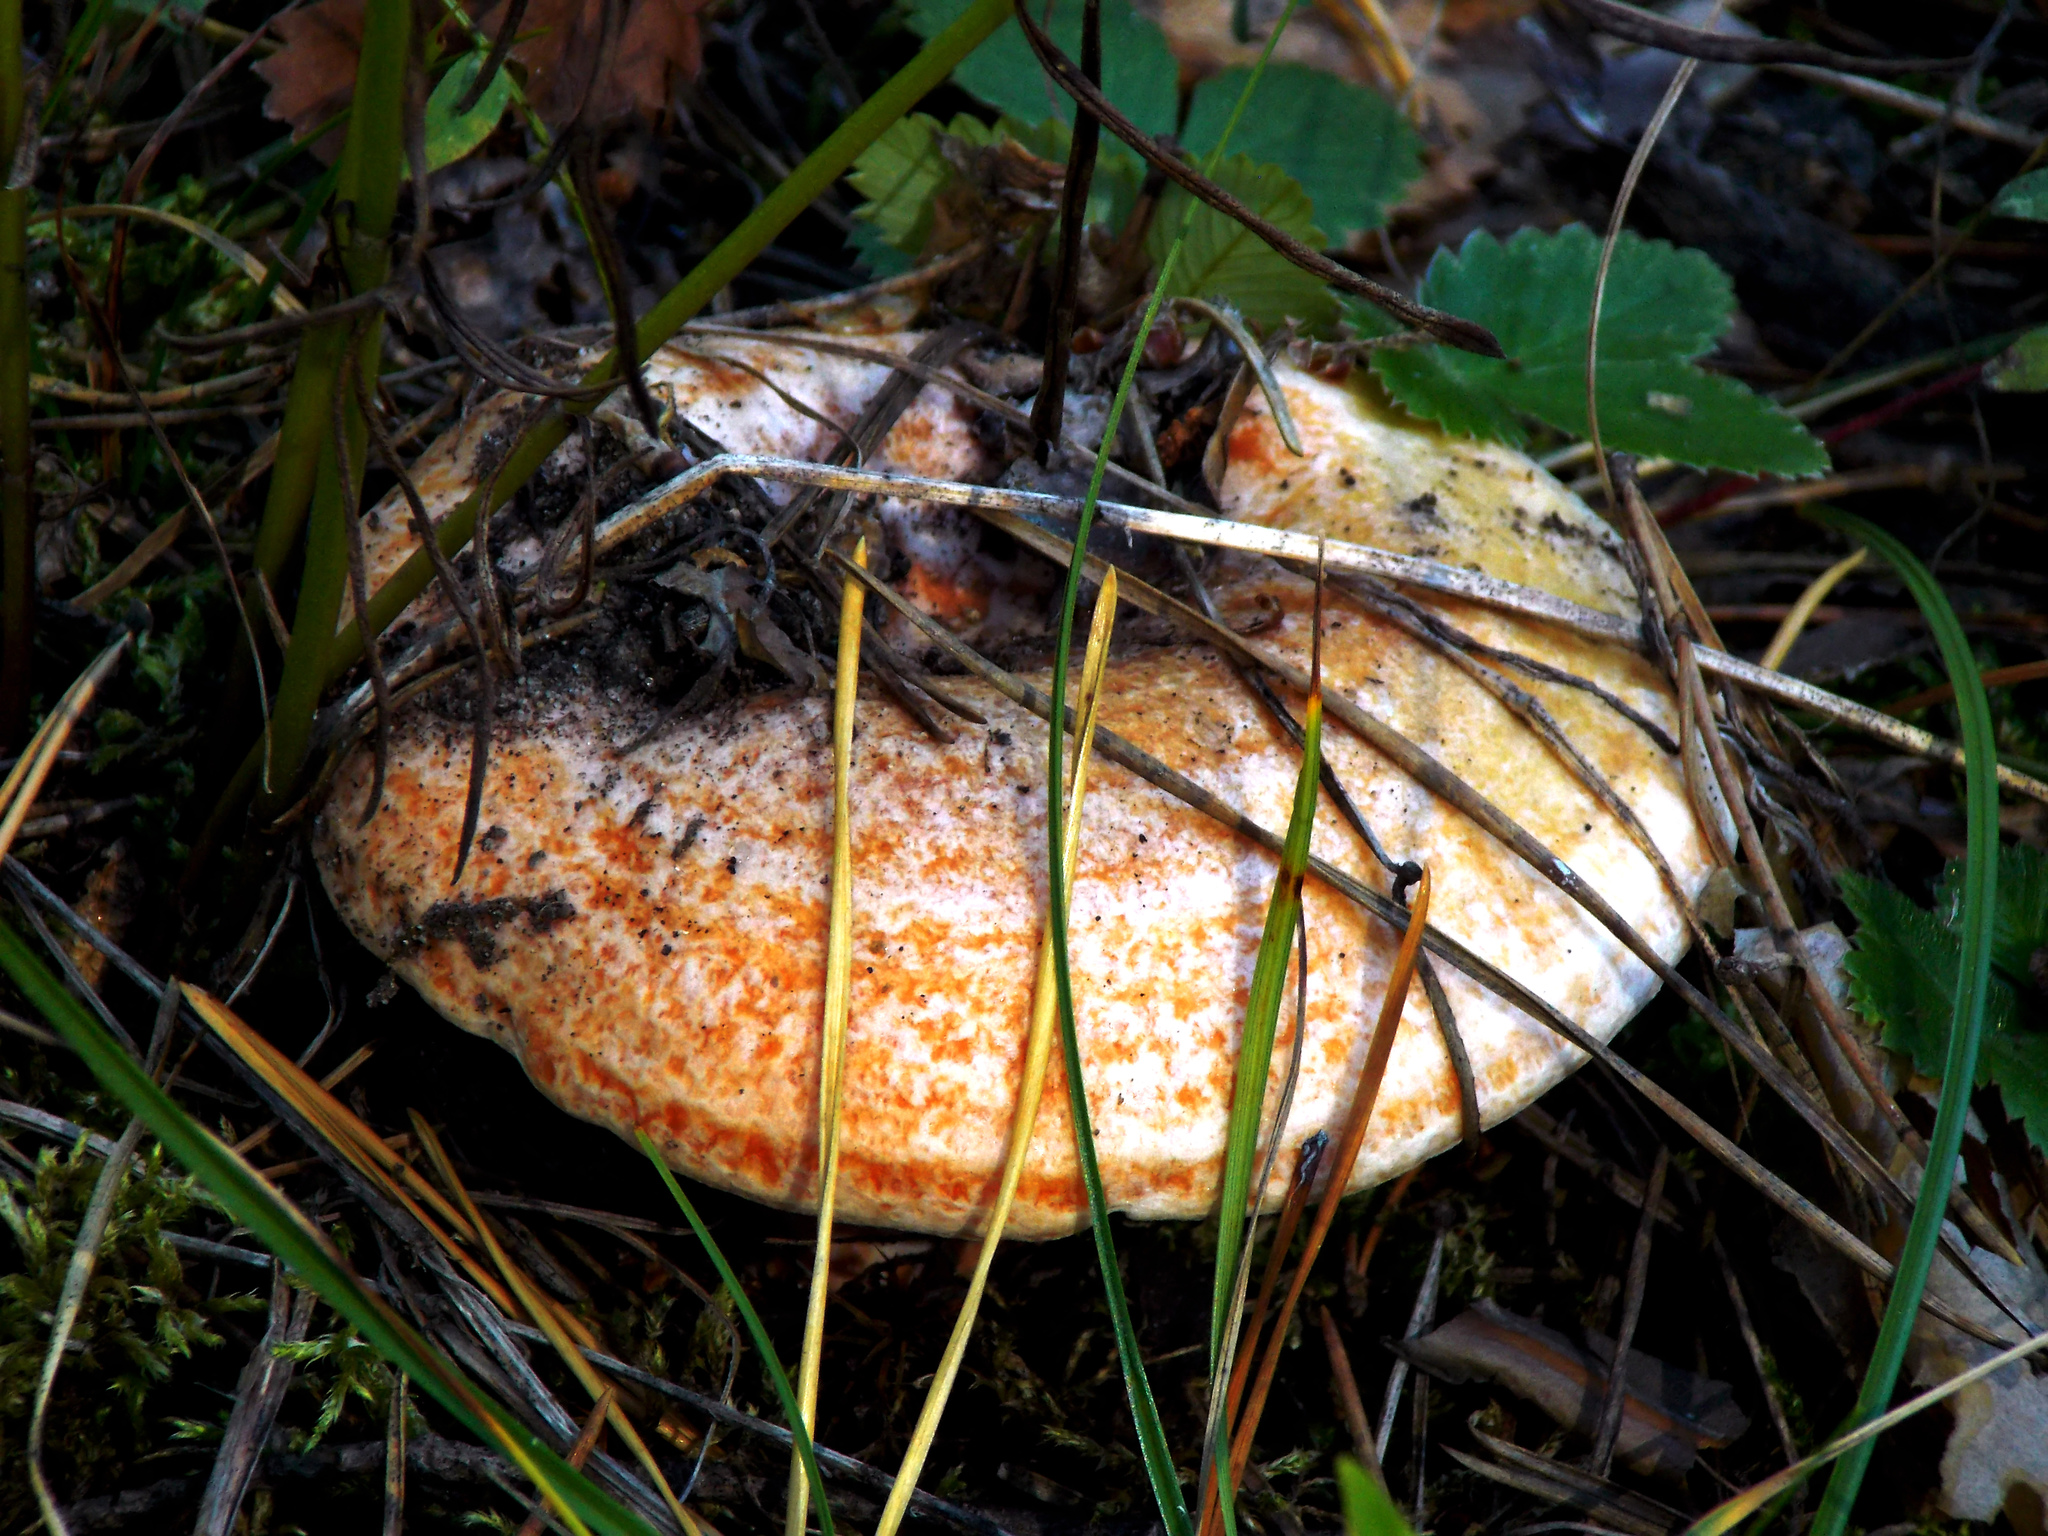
(562,59)
(1667,1417)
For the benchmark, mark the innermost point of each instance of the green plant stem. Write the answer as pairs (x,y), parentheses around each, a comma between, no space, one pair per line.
(1966,1030)
(804,185)
(372,169)
(1158,1456)
(286,1233)
(17,475)
(756,1330)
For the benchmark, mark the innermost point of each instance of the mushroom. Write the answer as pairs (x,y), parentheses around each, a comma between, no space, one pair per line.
(644,924)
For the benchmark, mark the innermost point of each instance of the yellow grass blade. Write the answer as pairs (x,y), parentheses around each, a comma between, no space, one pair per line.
(1723,1518)
(548,1319)
(1037,1052)
(363,1148)
(25,780)
(832,1055)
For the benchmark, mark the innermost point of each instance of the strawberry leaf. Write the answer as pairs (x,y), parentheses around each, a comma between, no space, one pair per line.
(1663,307)
(1139,72)
(1352,152)
(1223,259)
(1902,976)
(901,173)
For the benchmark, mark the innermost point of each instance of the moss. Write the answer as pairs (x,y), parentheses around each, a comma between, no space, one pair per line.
(139,1318)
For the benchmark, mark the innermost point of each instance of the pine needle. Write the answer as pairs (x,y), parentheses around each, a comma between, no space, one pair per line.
(832,1053)
(1037,1053)
(548,1318)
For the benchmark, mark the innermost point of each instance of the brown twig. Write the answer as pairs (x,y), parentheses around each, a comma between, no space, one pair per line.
(1448,329)
(451,584)
(1652,31)
(259,1397)
(1616,1398)
(1754,1345)
(358,568)
(586,1438)
(1348,1400)
(1047,412)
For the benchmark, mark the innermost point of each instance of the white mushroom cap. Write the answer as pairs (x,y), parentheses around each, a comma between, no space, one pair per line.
(646,930)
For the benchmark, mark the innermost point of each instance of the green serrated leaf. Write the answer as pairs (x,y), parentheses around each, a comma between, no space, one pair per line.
(450,137)
(904,170)
(875,255)
(1139,72)
(1902,975)
(2024,197)
(1663,307)
(2019,922)
(1902,972)
(2022,368)
(1352,152)
(1221,258)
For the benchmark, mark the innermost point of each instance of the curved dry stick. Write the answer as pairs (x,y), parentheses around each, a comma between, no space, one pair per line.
(271,330)
(604,247)
(501,49)
(451,583)
(1632,25)
(1449,329)
(1048,409)
(484,357)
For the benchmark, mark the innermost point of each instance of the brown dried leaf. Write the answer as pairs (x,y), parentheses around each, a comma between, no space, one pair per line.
(312,75)
(1667,1416)
(658,42)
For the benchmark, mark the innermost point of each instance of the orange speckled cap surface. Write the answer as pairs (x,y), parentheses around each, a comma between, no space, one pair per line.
(646,931)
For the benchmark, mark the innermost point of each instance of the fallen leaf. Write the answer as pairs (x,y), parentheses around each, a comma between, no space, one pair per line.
(1668,1413)
(312,75)
(658,42)
(1996,1459)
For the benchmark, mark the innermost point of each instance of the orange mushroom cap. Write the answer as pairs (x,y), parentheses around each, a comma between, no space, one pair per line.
(646,929)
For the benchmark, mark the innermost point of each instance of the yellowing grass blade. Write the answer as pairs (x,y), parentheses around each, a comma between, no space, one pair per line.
(1254,1068)
(1030,1089)
(832,1052)
(1726,1516)
(543,1311)
(355,1141)
(25,780)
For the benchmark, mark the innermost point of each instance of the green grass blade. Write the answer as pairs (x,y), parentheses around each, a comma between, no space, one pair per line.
(1367,1509)
(1966,1031)
(17,486)
(799,1437)
(1158,1456)
(1261,1024)
(305,1251)
(371,168)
